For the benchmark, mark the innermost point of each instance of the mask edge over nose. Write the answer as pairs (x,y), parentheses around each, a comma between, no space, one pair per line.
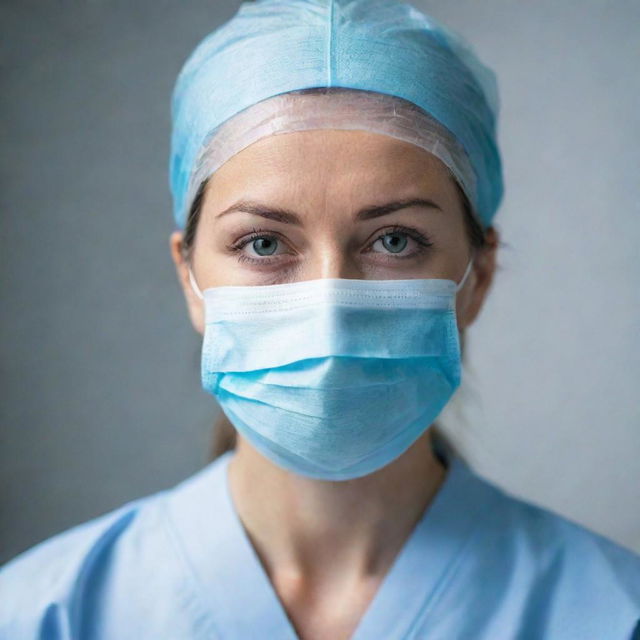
(198,292)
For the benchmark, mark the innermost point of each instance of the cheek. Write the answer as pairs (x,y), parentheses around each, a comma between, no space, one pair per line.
(210,260)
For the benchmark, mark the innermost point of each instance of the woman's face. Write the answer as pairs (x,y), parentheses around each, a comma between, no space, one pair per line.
(311,204)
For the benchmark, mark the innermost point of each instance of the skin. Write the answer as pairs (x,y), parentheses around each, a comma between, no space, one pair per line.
(326,546)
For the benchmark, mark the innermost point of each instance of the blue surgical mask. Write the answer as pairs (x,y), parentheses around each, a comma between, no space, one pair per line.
(332,378)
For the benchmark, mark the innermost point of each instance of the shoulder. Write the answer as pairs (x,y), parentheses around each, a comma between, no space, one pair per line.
(550,536)
(123,574)
(560,571)
(44,587)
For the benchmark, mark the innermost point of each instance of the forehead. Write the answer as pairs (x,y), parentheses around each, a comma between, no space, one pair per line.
(340,161)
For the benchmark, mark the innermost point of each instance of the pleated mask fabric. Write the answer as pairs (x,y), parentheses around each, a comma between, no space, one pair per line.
(332,378)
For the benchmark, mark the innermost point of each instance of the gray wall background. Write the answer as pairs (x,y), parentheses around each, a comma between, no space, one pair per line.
(100,397)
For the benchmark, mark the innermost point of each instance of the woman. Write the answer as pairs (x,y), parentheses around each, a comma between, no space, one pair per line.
(335,177)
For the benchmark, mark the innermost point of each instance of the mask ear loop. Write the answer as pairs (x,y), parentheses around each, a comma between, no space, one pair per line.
(466,273)
(194,285)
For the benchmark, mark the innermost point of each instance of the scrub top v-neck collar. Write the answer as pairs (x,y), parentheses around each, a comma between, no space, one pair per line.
(236,590)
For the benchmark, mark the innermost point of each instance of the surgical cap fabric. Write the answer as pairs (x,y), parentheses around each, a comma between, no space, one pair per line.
(271,47)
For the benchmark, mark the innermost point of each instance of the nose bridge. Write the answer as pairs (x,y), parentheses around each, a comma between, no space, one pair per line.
(332,259)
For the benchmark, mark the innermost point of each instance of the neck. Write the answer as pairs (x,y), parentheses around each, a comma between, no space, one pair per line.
(314,530)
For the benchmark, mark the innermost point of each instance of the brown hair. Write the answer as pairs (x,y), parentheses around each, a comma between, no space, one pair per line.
(224,434)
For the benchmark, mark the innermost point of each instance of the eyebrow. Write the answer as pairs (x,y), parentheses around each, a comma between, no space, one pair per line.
(287,216)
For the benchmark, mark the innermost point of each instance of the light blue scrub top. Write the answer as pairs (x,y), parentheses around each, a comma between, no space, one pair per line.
(480,565)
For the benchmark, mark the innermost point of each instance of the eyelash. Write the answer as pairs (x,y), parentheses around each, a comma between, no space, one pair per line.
(423,242)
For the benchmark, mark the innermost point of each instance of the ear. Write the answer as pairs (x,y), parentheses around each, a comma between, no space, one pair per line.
(480,280)
(195,305)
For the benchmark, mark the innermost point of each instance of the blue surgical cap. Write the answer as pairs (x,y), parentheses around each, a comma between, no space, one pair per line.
(272,47)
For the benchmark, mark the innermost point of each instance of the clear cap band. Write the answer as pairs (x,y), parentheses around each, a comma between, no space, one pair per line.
(334,108)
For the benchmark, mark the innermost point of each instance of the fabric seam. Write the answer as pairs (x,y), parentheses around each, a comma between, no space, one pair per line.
(450,573)
(178,547)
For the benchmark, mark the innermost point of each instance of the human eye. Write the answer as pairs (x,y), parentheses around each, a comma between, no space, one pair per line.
(268,243)
(396,238)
